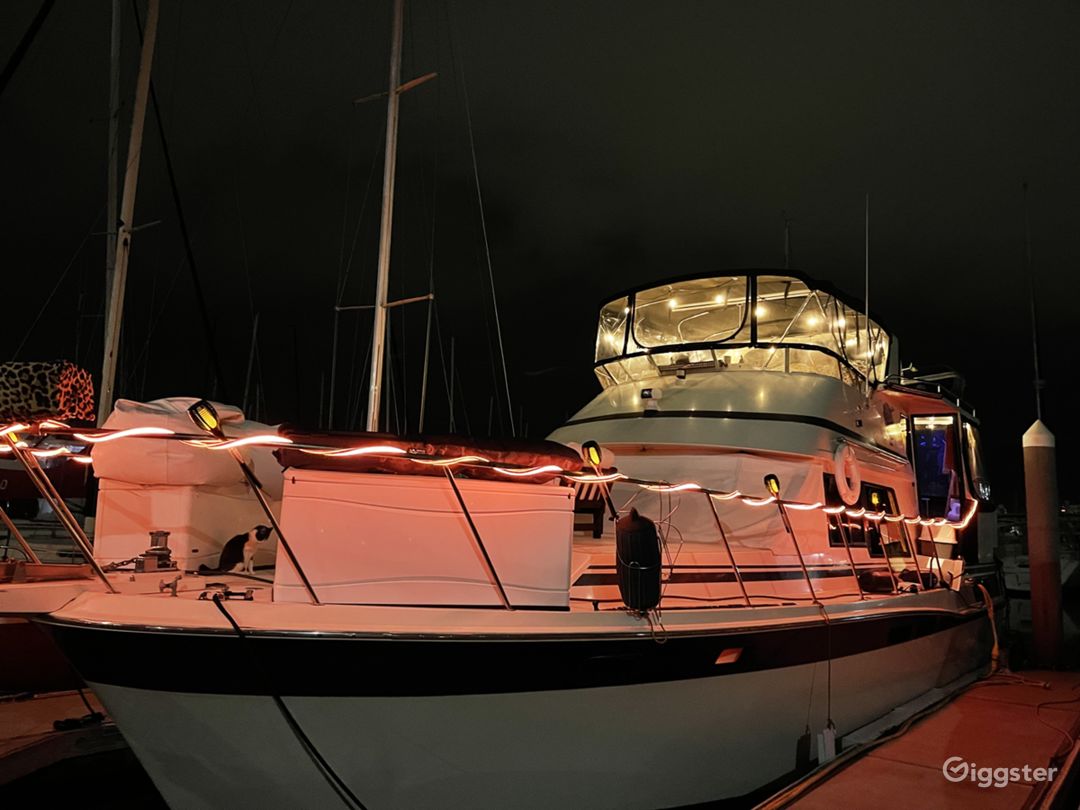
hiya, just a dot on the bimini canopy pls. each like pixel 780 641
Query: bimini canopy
pixel 758 320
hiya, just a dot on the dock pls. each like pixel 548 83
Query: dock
pixel 29 740
pixel 1008 742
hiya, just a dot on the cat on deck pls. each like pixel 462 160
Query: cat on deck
pixel 238 555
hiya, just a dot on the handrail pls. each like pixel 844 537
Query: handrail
pixel 723 536
pixel 416 454
pixel 851 559
pixel 479 541
pixel 794 539
pixel 48 491
pixel 31 555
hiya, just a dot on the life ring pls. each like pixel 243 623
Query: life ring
pixel 847 475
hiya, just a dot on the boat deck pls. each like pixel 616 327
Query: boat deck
pixel 1003 722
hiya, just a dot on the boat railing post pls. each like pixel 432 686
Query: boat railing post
pixel 772 484
pixel 13 530
pixel 727 545
pixel 205 417
pixel 937 557
pixel 851 558
pixel 914 549
pixel 479 541
pixel 48 491
pixel 256 488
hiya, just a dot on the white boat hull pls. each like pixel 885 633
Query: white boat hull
pixel 647 745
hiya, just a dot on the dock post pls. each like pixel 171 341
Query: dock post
pixel 1040 483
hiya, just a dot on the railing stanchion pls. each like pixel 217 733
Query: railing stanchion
pixel 31 555
pixel 772 484
pixel 851 559
pixel 731 555
pixel 48 491
pixel 479 542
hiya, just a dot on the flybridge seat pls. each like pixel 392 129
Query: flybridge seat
pixel 365 537
pixel 508 453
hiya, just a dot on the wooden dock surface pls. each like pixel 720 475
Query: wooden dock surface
pixel 985 738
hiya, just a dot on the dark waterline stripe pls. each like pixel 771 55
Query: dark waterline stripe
pixel 304 665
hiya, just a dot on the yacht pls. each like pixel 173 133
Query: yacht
pixel 733 562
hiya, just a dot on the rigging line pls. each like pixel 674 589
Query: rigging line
pixel 131 378
pixel 360 218
pixel 59 281
pixel 200 298
pixel 243 248
pixel 350 142
pixel 363 377
pixel 431 263
pixel 430 309
pixel 442 360
pixel 266 63
pixel 27 40
pixel 156 320
pixel 483 230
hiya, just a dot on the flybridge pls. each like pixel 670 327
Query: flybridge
pixel 760 320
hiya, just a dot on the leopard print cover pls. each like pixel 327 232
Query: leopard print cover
pixel 38 390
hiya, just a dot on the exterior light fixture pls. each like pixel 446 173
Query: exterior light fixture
pixel 205 416
pixel 592 452
pixel 772 483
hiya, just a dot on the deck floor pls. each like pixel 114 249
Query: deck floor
pixel 996 723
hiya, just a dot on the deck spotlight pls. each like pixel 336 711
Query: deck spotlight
pixel 204 415
pixel 592 452
pixel 772 483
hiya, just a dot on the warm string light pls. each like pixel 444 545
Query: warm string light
pixel 451 462
pixel 98 438
pixel 547 469
pixel 349 452
pixel 232 444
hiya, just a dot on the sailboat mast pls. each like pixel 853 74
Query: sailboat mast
pixel 378 337
pixel 127 211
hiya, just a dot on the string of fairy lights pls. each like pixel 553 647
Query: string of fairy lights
pixel 10 434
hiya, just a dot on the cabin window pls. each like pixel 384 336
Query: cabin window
pixel 980 483
pixel 880 538
pixel 737 323
pixel 701 311
pixel 611 336
pixel 788 312
pixel 937 466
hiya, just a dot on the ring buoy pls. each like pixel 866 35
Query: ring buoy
pixel 846 473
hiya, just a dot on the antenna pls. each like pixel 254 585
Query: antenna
pixel 1031 300
pixel 866 298
pixel 787 240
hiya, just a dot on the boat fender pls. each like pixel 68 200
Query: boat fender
pixel 637 562
pixel 847 475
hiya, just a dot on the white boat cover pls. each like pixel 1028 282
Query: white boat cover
pixel 168 462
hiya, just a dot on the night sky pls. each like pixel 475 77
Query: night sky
pixel 616 143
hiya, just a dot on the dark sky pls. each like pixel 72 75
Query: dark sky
pixel 617 143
